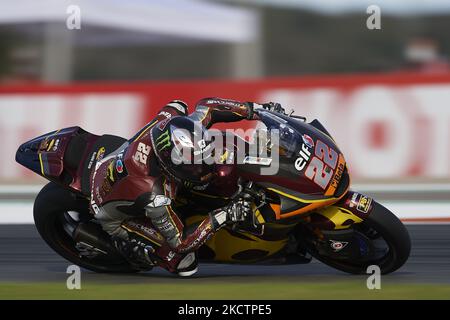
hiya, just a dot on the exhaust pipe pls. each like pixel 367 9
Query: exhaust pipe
pixel 92 241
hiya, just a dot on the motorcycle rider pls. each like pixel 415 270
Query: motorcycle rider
pixel 140 180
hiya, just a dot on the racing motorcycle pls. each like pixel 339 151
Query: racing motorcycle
pixel 305 210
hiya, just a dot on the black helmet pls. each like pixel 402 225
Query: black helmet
pixel 182 146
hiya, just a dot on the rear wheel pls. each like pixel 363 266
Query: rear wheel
pixel 57 212
pixel 380 240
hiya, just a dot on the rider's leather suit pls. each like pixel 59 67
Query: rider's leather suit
pixel 128 183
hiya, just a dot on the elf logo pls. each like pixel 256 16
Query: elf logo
pixel 304 156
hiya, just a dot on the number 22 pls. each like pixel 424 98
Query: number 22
pixel 142 153
pixel 325 158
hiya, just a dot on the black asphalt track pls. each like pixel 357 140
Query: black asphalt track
pixel 25 257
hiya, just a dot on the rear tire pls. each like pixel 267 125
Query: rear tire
pixel 394 234
pixel 52 202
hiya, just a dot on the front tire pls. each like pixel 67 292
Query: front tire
pixel 50 209
pixel 387 226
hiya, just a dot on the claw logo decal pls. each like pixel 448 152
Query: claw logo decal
pixel 163 141
pixel 338 245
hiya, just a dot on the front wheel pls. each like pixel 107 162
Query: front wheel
pixel 380 240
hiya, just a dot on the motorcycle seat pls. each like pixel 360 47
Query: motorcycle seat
pixel 80 150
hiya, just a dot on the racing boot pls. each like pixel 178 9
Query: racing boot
pixel 184 265
pixel 150 244
pixel 136 251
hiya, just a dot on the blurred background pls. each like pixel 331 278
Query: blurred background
pixel 108 65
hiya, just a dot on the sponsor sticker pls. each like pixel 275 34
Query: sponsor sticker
pixel 338 176
pixel 95 207
pixel 91 162
pixel 147 230
pixel 364 204
pixel 304 156
pixel 110 172
pixel 165 114
pixel 361 202
pixel 257 160
pixel 100 153
pixel 56 145
pixel 170 256
pixel 53 145
pixel 308 141
pixel 338 245
pixel 162 125
pixel 119 166
pixel 353 200
pixel 97 193
pixel 44 145
pixel 225 102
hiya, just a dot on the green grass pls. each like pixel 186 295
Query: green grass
pixel 282 289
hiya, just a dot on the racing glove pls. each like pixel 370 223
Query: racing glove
pixel 273 106
pixel 237 211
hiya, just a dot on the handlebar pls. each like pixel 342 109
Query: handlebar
pixel 281 111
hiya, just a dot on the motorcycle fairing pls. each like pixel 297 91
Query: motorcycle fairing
pixel 232 246
pixel 45 155
pixel 244 247
pixel 66 156
pixel 301 194
pixel 351 209
pixel 294 203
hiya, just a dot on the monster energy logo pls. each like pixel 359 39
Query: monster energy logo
pixel 163 141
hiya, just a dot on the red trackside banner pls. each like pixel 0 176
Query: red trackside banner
pixel 389 126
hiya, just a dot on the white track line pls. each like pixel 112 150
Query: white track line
pixel 397 187
pixel 403 187
pixel 16 211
